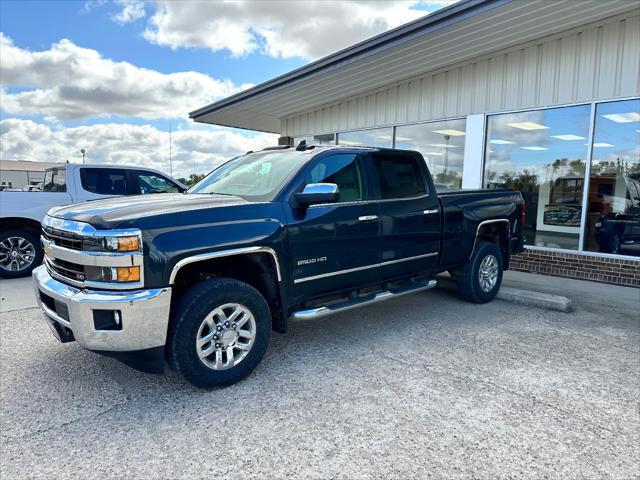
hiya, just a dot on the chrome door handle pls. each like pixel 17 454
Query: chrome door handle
pixel 429 212
pixel 367 218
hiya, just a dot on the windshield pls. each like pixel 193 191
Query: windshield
pixel 256 176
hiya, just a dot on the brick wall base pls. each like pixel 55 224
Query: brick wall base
pixel 583 267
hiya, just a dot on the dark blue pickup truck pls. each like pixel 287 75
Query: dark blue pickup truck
pixel 199 280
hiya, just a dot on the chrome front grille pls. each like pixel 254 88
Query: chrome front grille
pixel 62 238
pixel 72 271
pixel 73 254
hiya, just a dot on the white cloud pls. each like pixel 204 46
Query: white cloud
pixel 279 28
pixel 132 10
pixel 197 150
pixel 71 82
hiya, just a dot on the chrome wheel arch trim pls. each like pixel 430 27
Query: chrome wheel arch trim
pixel 486 222
pixel 225 253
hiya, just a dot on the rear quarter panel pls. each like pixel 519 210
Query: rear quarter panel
pixel 463 211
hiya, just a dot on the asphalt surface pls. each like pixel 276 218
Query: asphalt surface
pixel 425 386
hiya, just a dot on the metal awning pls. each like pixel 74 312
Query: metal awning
pixel 463 31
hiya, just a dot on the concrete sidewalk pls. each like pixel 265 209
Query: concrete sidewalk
pixel 589 296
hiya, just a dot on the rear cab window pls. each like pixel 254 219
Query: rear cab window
pixel 55 180
pixel 104 181
pixel 398 176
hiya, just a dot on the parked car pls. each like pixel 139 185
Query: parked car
pixel 201 279
pixel 618 228
pixel 22 211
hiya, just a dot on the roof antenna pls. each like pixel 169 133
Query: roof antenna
pixel 302 146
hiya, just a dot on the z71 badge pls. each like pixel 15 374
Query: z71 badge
pixel 309 261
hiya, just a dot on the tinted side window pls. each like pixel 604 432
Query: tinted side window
pixel 104 181
pixel 398 176
pixel 55 180
pixel 149 182
pixel 344 171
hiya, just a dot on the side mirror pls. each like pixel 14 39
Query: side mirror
pixel 317 193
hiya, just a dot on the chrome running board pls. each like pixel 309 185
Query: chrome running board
pixel 319 312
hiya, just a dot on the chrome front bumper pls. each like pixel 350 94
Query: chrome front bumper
pixel 144 314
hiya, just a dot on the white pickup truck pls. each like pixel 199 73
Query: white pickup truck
pixel 22 212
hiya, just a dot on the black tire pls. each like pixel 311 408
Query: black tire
pixel 187 318
pixel 468 281
pixel 7 238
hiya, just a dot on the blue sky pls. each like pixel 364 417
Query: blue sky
pixel 112 76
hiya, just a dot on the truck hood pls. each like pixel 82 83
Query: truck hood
pixel 108 213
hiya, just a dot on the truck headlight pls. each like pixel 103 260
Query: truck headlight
pixel 113 274
pixel 122 244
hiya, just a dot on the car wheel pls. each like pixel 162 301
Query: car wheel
pixel 482 275
pixel 20 253
pixel 219 332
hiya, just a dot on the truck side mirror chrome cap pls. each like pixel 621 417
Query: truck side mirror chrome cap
pixel 317 193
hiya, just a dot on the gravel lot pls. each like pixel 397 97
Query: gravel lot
pixel 426 386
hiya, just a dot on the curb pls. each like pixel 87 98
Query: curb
pixel 520 296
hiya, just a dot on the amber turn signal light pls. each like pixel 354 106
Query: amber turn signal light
pixel 128 274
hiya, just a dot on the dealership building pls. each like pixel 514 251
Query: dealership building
pixel 536 95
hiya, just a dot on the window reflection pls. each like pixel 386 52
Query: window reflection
pixel 613 219
pixel 542 154
pixel 319 140
pixel 377 137
pixel 442 146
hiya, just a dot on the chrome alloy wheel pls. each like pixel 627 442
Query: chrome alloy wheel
pixel 16 254
pixel 226 336
pixel 488 273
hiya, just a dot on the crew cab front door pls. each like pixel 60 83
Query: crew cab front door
pixel 334 246
pixel 409 214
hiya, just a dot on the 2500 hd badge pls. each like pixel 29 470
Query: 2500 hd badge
pixel 199 280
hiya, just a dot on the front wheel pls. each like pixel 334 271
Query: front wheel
pixel 20 253
pixel 482 275
pixel 219 332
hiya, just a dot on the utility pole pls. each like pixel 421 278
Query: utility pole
pixel 83 151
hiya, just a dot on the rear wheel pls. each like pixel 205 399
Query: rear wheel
pixel 480 280
pixel 219 333
pixel 20 253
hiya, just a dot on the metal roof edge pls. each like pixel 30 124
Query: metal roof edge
pixel 441 18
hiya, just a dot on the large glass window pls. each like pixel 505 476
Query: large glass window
pixel 613 214
pixel 319 140
pixel 377 137
pixel 442 146
pixel 542 154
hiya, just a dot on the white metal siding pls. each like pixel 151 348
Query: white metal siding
pixel 594 62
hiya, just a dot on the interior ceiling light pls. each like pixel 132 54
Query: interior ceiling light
pixel 535 148
pixel 569 137
pixel 623 117
pixel 601 145
pixel 442 145
pixel 528 126
pixel 453 133
pixel 435 154
pixel 497 141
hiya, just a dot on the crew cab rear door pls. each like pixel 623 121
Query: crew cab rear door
pixel 409 213
pixel 334 246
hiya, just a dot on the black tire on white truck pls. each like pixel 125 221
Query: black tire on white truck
pixel 20 252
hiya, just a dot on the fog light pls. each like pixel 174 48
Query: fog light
pixel 107 320
pixel 127 274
